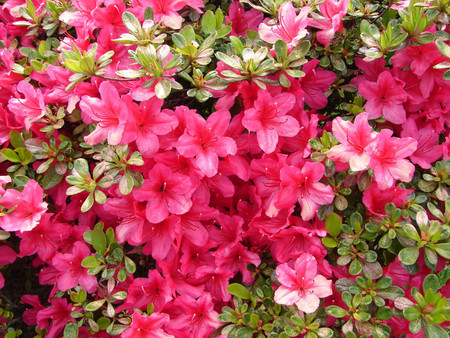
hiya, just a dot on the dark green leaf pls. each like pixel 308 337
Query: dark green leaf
pixel 431 282
pixel 336 311
pixel 98 239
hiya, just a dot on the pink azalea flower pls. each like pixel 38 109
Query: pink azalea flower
pixel 355 139
pixel 388 158
pixel 216 281
pixel 71 273
pixel 59 313
pixel 28 208
pixel 242 20
pixel 290 28
pixel 147 326
pixel 303 185
pixel 143 291
pixel 111 113
pixel 7 256
pixel 375 199
pixel 385 98
pixel 29 109
pixel 198 315
pixel 45 239
pixel 269 120
pixel 145 123
pixel 301 285
pixel 330 21
pixel 428 149
pixel 206 141
pixel 165 192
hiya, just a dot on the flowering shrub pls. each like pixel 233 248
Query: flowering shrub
pixel 249 169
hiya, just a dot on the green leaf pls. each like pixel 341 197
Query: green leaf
pixel 409 256
pixel 244 332
pixel 163 88
pixel 281 50
pixel 90 262
pixel 132 23
pixel 130 266
pixel 126 184
pixel 71 331
pixel 391 292
pixel 98 240
pixel 238 290
pixel 329 242
pixel 432 330
pixel 443 48
pixel 411 313
pixel 431 282
pixel 443 249
pixel 355 267
pixel 336 311
pixel 10 155
pixel 384 313
pixel 208 22
pixel 88 203
pixel 16 139
pixel 237 44
pixel 333 224
pixel 130 73
pixel 51 179
pixel 81 166
pixel 95 305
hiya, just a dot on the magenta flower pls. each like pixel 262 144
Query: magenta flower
pixel 71 273
pixel 385 98
pixel 269 120
pixel 164 192
pixel 303 185
pixel 355 139
pixel 242 20
pixel 330 21
pixel 29 109
pixel 301 285
pixel 28 208
pixel 206 141
pixel 147 326
pixel 388 158
pixel 110 112
pixel 291 27
pixel 59 313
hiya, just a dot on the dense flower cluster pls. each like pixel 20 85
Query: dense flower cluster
pixel 155 153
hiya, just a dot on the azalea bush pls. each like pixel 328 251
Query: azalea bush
pixel 262 168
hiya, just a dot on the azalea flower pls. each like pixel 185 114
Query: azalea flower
pixel 355 139
pixel 147 326
pixel 388 158
pixel 269 120
pixel 242 20
pixel 385 98
pixel 330 21
pixel 301 285
pixel 28 208
pixel 303 185
pixel 206 141
pixel 111 113
pixel 29 109
pixel 291 27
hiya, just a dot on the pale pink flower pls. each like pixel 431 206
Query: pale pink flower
pixel 290 28
pixel 355 139
pixel 301 285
